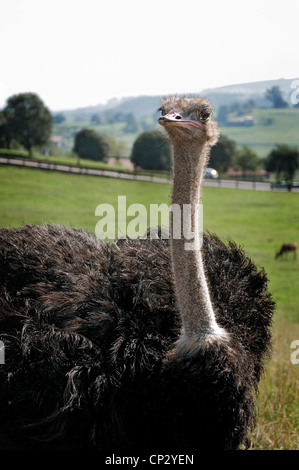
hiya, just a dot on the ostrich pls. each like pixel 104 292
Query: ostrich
pixel 138 345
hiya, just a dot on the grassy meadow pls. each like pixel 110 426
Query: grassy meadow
pixel 273 126
pixel 259 221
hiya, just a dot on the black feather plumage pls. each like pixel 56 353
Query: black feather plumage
pixel 89 329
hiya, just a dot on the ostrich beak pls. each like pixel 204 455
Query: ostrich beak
pixel 176 119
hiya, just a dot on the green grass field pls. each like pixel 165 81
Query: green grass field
pixel 260 221
pixel 273 126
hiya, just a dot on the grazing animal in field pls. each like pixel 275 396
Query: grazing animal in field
pixel 137 345
pixel 286 248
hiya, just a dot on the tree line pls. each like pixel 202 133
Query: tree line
pixel 152 151
pixel 28 121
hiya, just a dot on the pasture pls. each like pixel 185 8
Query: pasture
pixel 259 221
pixel 273 126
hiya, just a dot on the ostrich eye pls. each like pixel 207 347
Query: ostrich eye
pixel 162 111
pixel 205 112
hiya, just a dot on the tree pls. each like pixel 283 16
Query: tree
pixel 275 96
pixel 242 108
pixel 132 125
pixel 95 119
pixel 283 161
pixel 29 121
pixel 222 154
pixel 151 151
pixel 89 144
pixel 247 159
pixel 4 134
pixel 222 115
pixel 59 118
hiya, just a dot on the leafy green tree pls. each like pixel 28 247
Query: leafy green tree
pixel 91 145
pixel 247 159
pixel 275 96
pixel 132 125
pixel 222 154
pixel 59 118
pixel 222 114
pixel 4 134
pixel 151 151
pixel 283 161
pixel 29 121
pixel 95 119
pixel 241 108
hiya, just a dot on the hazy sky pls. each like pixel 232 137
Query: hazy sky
pixel 78 53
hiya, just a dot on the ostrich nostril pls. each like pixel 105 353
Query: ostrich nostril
pixel 178 117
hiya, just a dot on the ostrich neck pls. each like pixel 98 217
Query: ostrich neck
pixel 196 309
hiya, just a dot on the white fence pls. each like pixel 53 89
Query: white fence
pixel 220 183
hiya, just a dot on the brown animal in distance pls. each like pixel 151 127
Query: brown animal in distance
pixel 286 248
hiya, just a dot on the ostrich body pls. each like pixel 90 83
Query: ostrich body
pixel 137 345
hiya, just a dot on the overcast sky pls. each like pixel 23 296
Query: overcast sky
pixel 78 53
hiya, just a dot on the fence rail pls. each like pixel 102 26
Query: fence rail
pixel 37 164
pixel 220 183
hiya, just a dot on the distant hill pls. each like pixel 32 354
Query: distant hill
pixel 271 125
pixel 144 106
pixel 140 106
pixel 245 91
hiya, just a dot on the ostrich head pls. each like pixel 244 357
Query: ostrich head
pixel 188 120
